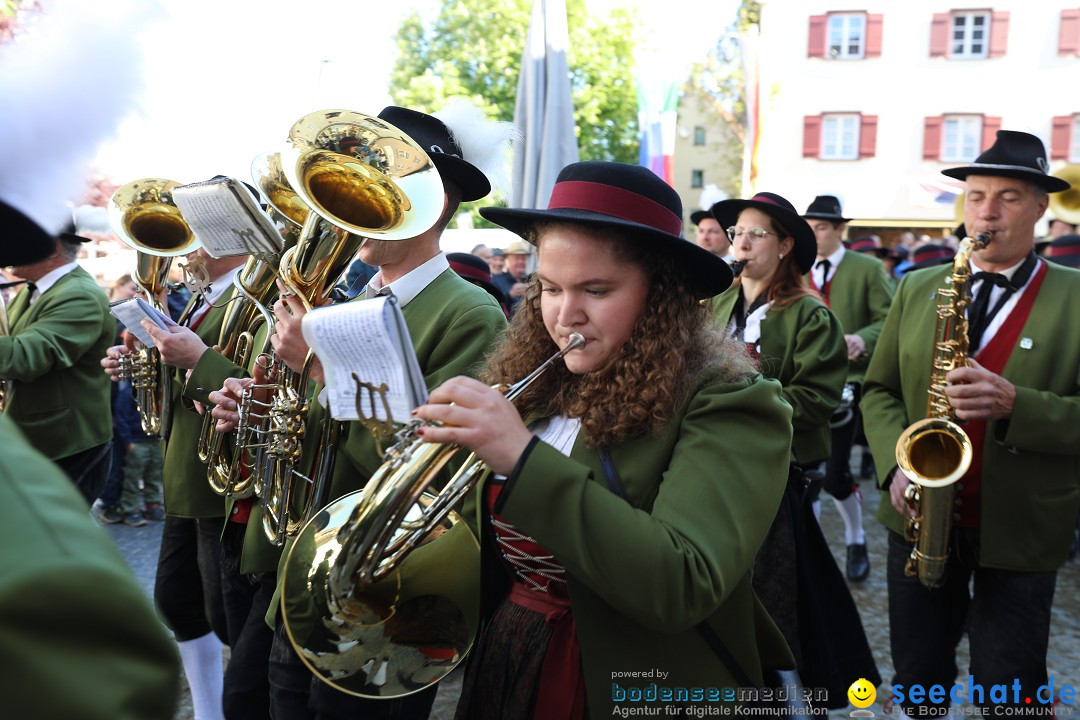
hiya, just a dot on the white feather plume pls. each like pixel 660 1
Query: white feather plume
pixel 710 195
pixel 485 144
pixel 72 74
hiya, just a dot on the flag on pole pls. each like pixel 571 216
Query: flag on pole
pixel 544 112
pixel 658 104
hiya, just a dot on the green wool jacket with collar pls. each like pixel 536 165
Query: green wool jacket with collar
pixel 644 571
pixel 802 345
pixel 82 637
pixel 1031 461
pixel 61 397
pixel 859 297
pixel 187 491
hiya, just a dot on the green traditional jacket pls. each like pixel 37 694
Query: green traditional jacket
pixel 187 492
pixel 802 345
pixel 60 397
pixel 859 297
pixel 82 638
pixel 1031 461
pixel 643 572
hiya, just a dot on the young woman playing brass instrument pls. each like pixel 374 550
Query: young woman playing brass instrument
pixel 623 514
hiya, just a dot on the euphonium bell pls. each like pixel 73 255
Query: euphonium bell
pixel 144 216
pixel 380 591
pixel 1065 205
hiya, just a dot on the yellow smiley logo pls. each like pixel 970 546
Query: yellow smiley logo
pixel 861 693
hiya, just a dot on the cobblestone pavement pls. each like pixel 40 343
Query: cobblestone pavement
pixel 140 547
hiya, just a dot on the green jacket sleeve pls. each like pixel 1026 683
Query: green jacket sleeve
pixel 670 566
pixel 879 293
pixel 820 367
pixel 1043 422
pixel 882 404
pixel 63 332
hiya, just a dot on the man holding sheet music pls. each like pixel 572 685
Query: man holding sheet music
pixel 188 584
pixel 451 323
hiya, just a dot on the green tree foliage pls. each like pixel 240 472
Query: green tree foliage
pixel 473 49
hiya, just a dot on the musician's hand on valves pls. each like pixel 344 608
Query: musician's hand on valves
pixel 897 487
pixel 227 403
pixel 179 346
pixel 856 346
pixel 111 362
pixel 288 339
pixel 975 393
pixel 480 419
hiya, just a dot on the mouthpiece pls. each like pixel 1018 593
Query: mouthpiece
pixel 737 267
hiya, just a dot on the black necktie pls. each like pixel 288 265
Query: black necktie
pixel 981 314
pixel 824 265
pixel 197 303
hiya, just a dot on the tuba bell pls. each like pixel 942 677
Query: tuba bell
pixel 144 216
pixel 1065 205
pixel 380 591
pixel 362 178
pixel 935 452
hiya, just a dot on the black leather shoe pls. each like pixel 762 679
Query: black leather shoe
pixel 858 563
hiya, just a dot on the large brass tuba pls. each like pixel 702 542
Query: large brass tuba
pixel 362 178
pixel 380 590
pixel 935 452
pixel 144 216
pixel 1066 205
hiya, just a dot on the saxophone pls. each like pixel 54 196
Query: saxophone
pixel 935 452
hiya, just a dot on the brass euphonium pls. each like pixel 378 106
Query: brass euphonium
pixel 935 452
pixel 362 178
pixel 380 591
pixel 144 216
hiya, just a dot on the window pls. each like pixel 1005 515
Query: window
pixel 961 138
pixel 699 135
pixel 697 179
pixel 845 36
pixel 847 33
pixel 970 35
pixel 840 137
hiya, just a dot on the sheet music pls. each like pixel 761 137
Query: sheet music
pixel 368 338
pixel 132 311
pixel 226 219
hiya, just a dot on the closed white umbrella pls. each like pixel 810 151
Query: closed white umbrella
pixel 545 110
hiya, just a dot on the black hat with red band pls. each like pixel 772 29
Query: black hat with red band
pixel 1064 250
pixel 779 209
pixel 629 198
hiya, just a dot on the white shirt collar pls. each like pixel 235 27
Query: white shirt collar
pixel 50 278
pixel 1007 272
pixel 413 282
pixel 820 277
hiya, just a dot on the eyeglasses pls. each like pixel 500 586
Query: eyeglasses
pixel 756 234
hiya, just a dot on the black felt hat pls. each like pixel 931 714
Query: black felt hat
pixel 926 256
pixel 698 215
pixel 1016 155
pixel 1064 250
pixel 629 198
pixel 826 207
pixel 868 245
pixel 779 209
pixel 474 269
pixel 431 134
pixel 24 241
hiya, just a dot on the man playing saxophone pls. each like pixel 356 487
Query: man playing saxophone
pixel 452 324
pixel 187 589
pixel 1018 401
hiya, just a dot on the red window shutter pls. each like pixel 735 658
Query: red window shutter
pixel 816 46
pixel 811 136
pixel 867 136
pixel 1061 137
pixel 939 35
pixel 1069 34
pixel 931 148
pixel 989 131
pixel 999 33
pixel 873 35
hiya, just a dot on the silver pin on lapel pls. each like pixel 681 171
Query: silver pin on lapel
pixel 1027 343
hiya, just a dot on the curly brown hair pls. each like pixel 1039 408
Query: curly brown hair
pixel 639 390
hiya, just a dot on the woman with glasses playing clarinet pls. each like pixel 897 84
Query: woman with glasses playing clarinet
pixel 798 341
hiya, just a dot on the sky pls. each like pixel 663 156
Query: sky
pixel 227 78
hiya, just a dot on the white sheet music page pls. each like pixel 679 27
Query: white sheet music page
pixel 368 338
pixel 133 311
pixel 226 219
